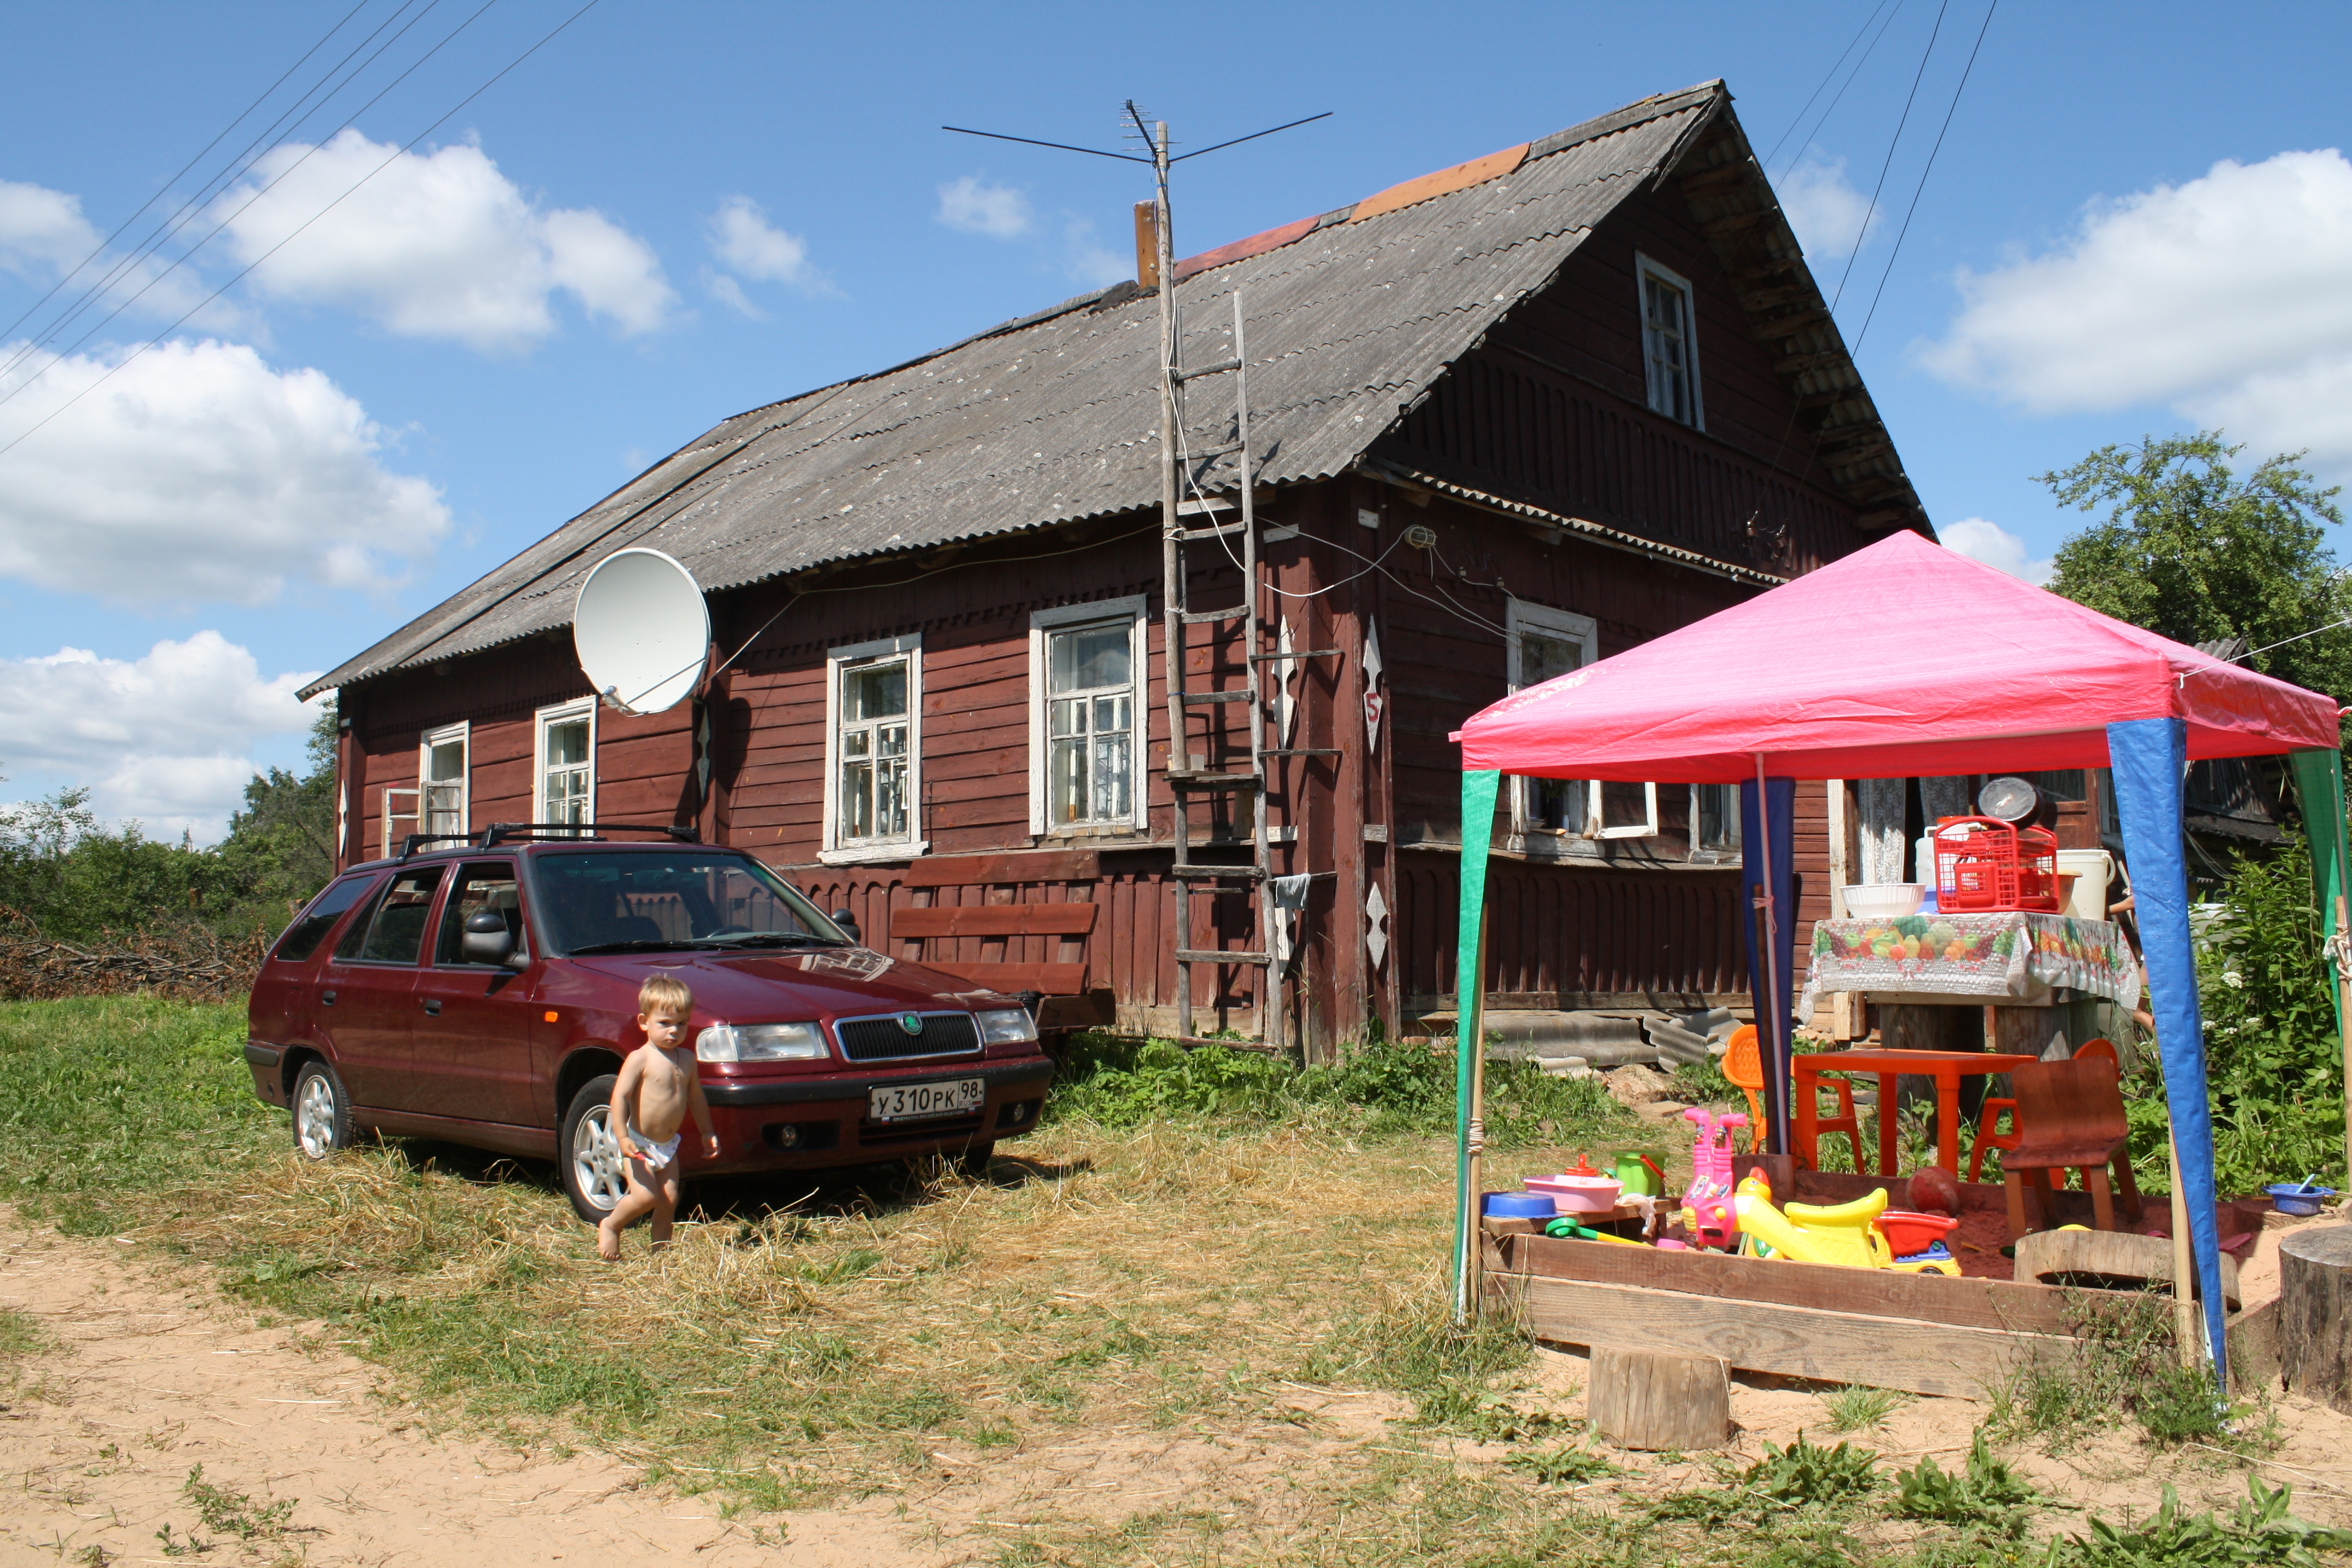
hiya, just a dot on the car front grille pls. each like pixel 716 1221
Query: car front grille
pixel 886 1039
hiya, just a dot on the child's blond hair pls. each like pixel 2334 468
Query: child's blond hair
pixel 664 993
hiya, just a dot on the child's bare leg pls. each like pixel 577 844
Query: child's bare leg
pixel 664 1208
pixel 633 1205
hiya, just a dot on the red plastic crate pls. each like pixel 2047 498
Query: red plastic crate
pixel 1984 865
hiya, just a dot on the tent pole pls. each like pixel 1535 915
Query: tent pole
pixel 1767 884
pixel 2184 1263
pixel 1474 1258
pixel 2343 1032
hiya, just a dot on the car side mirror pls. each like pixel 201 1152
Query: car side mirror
pixel 848 923
pixel 488 939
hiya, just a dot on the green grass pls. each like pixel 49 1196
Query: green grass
pixel 21 1335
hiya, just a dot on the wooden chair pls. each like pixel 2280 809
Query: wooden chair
pixel 2070 1117
pixel 1988 1134
pixel 1743 1064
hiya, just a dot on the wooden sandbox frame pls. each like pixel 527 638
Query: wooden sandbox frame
pixel 1920 1333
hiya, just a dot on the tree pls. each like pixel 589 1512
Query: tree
pixel 2193 552
pixel 280 848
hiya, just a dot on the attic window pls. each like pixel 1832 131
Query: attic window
pixel 1669 342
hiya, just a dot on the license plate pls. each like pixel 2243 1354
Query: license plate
pixel 913 1102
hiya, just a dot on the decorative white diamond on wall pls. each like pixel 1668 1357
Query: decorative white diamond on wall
pixel 1376 925
pixel 1373 700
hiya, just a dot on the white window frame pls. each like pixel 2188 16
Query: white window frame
pixel 833 850
pixel 1705 854
pixel 1130 608
pixel 561 713
pixel 461 732
pixel 1643 271
pixel 1567 627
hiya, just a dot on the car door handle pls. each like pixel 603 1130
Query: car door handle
pixel 433 1006
pixel 326 999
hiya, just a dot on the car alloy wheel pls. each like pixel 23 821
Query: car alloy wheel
pixel 322 1112
pixel 596 1172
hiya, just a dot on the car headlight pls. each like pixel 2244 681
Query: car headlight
pixel 1005 1026
pixel 759 1042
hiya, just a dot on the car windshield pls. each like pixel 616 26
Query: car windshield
pixel 637 901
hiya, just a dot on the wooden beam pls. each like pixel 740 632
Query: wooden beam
pixel 1792 1342
pixel 1017 865
pixel 1053 979
pixel 1736 174
pixel 995 919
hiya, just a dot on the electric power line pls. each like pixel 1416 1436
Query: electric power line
pixel 1895 141
pixel 1826 79
pixel 545 39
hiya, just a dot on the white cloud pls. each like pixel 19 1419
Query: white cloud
pixel 165 739
pixel 438 244
pixel 1828 213
pixel 974 207
pixel 742 237
pixel 730 293
pixel 1087 261
pixel 42 231
pixel 2222 297
pixel 199 473
pixel 1997 548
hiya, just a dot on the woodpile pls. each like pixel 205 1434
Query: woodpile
pixel 193 965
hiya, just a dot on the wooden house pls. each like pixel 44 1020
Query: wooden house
pixel 1506 418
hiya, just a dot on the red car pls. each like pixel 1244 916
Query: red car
pixel 485 993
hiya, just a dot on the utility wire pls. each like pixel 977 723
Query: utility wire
pixel 549 37
pixel 240 119
pixel 284 175
pixel 1827 78
pixel 1896 140
pixel 190 209
pixel 1889 270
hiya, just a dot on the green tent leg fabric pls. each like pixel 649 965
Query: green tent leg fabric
pixel 1478 788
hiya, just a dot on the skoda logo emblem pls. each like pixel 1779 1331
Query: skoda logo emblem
pixel 910 1023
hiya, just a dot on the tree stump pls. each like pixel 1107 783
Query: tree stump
pixel 1657 1400
pixel 2315 1313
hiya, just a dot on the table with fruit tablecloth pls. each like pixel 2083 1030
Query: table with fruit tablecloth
pixel 2013 958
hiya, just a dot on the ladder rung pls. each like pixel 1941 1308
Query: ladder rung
pixel 1193 617
pixel 1219 369
pixel 1205 779
pixel 1212 697
pixel 1295 653
pixel 1193 955
pixel 1190 536
pixel 1302 751
pixel 1214 873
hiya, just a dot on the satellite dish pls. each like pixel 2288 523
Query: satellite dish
pixel 642 630
pixel 2011 799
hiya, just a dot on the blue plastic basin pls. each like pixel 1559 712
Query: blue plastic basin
pixel 2294 1198
pixel 1520 1205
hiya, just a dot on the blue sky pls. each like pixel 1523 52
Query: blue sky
pixel 670 214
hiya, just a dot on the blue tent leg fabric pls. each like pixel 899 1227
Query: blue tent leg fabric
pixel 1478 787
pixel 2148 755
pixel 1772 1041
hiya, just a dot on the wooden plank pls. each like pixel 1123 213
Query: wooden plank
pixel 1053 979
pixel 1792 1342
pixel 1029 865
pixel 995 919
pixel 1991 1304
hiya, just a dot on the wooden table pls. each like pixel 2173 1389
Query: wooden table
pixel 1946 1068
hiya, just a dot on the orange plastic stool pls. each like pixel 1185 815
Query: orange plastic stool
pixel 1988 1134
pixel 1743 1064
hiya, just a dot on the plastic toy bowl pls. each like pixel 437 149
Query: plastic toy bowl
pixel 2287 1198
pixel 1909 1231
pixel 1883 901
pixel 1520 1205
pixel 1579 1194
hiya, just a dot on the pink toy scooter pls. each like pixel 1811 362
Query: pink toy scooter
pixel 1707 1214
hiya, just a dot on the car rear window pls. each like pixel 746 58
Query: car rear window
pixel 393 929
pixel 312 926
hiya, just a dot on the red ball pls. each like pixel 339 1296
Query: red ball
pixel 1935 1190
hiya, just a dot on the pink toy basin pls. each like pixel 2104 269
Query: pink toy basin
pixel 1909 1232
pixel 1578 1194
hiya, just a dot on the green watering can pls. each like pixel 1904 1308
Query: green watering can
pixel 1638 1173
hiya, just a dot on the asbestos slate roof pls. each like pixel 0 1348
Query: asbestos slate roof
pixel 1054 417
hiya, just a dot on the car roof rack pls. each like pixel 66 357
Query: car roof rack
pixel 410 843
pixel 577 832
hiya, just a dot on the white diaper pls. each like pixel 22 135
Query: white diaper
pixel 654 1155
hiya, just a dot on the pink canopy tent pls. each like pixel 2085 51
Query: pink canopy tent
pixel 1898 661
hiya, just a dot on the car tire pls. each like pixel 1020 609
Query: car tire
pixel 589 1154
pixel 323 1112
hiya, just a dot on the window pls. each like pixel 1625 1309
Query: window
pixel 1715 822
pixel 441 795
pixel 692 894
pixel 1669 343
pixel 302 938
pixel 1087 688
pixel 567 762
pixel 488 885
pixel 874 703
pixel 394 930
pixel 1544 643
